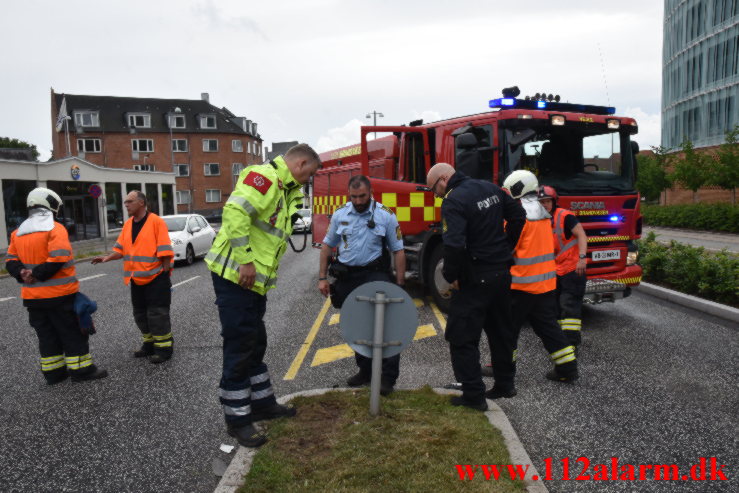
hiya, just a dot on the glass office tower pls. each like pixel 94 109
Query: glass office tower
pixel 700 71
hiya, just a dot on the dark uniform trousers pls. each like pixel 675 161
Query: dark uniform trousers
pixel 570 292
pixel 151 304
pixel 541 312
pixel 245 384
pixel 476 307
pixel 59 334
pixel 345 285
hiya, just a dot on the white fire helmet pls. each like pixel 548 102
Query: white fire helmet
pixel 520 183
pixel 43 197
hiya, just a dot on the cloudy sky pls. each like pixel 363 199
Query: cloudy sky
pixel 310 70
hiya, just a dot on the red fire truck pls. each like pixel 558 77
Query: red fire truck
pixel 583 151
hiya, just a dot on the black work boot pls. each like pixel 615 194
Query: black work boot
pixel 272 412
pixel 160 357
pixel 247 436
pixel 94 373
pixel 147 349
pixel 458 400
pixel 56 376
pixel 557 377
pixel 498 392
pixel 358 380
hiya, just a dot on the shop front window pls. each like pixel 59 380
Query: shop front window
pixel 14 200
pixel 114 205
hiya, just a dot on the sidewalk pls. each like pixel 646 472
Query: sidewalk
pixel 714 242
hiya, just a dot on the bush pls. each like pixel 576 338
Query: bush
pixel 712 217
pixel 691 270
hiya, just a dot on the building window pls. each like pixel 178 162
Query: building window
pixel 236 168
pixel 207 121
pixel 142 145
pixel 144 167
pixel 179 145
pixel 210 145
pixel 212 196
pixel 139 120
pixel 237 146
pixel 176 121
pixel 248 147
pixel 88 145
pixel 212 169
pixel 87 118
pixel 182 170
pixel 183 196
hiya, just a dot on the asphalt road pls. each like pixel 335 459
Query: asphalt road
pixel 658 386
pixel 709 240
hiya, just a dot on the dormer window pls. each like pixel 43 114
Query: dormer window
pixel 207 121
pixel 139 120
pixel 87 118
pixel 176 120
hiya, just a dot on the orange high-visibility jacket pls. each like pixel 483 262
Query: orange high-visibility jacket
pixel 40 247
pixel 142 259
pixel 567 255
pixel 534 269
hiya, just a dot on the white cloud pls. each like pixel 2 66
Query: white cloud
pixel 340 136
pixel 650 127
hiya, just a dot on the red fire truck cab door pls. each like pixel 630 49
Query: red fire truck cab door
pixel 415 157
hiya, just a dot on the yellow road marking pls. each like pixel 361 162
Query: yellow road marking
pixel 418 302
pixel 425 331
pixel 334 319
pixel 329 354
pixel 295 366
pixel 439 316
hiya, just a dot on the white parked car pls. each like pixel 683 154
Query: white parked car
pixel 304 223
pixel 191 236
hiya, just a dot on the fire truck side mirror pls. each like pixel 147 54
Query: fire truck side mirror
pixel 634 147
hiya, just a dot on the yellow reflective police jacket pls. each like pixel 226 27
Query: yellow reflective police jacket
pixel 256 224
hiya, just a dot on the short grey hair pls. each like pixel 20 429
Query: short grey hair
pixel 304 151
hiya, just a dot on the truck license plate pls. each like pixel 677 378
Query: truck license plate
pixel 602 255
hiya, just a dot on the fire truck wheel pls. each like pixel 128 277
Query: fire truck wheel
pixel 436 282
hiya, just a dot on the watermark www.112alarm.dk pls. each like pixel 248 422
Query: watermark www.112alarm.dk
pixel 583 469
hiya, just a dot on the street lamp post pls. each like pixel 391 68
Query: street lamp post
pixel 171 141
pixel 374 116
pixel 170 115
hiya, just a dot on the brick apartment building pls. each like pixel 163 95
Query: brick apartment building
pixel 205 146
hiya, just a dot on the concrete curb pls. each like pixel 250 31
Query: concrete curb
pixel 233 478
pixel 710 307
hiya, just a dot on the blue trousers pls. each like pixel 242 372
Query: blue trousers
pixel 245 382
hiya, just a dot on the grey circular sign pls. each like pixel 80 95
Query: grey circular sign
pixel 357 319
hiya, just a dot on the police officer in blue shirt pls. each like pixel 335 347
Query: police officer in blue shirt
pixel 361 230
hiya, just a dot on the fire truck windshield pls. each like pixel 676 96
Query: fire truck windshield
pixel 576 159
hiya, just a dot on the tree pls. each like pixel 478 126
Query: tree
pixel 725 166
pixel 652 178
pixel 693 170
pixel 8 143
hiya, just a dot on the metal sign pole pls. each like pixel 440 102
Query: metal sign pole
pixel 377 353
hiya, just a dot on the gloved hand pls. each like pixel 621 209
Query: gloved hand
pixel 88 331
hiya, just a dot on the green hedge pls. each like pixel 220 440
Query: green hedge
pixel 691 270
pixel 712 217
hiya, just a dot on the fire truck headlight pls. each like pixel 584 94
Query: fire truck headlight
pixel 613 124
pixel 631 258
pixel 558 120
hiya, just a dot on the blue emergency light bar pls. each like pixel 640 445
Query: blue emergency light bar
pixel 531 104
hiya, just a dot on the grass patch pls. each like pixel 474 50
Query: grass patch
pixel 87 254
pixel 333 444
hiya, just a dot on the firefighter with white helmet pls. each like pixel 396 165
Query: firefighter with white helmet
pixel 571 249
pixel 534 283
pixel 40 258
